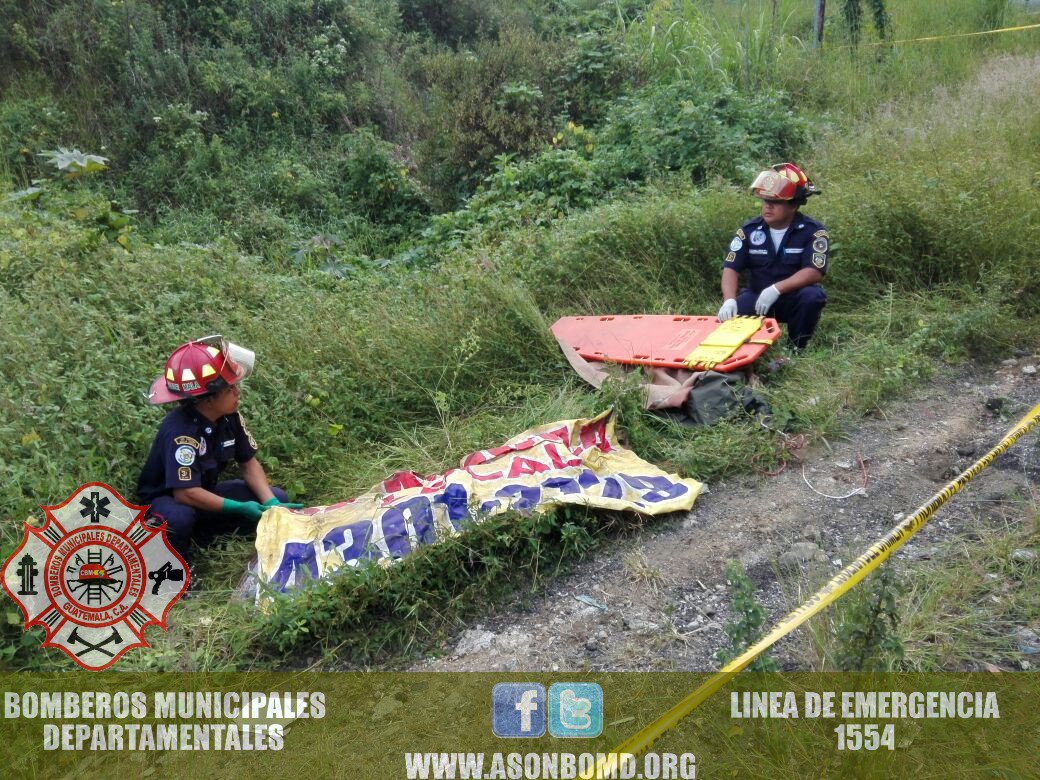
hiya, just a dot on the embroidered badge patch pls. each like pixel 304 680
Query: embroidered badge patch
pixel 819 260
pixel 184 474
pixel 184 455
pixel 820 245
pixel 245 430
pixel 186 440
pixel 740 234
pixel 758 238
pixel 731 257
pixel 820 234
pixel 735 244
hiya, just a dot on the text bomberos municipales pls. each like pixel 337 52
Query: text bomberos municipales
pixel 255 720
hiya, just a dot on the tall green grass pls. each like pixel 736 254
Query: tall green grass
pixel 745 44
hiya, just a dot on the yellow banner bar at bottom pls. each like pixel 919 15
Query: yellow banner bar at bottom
pixel 842 582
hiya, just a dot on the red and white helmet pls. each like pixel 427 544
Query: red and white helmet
pixel 201 367
pixel 784 181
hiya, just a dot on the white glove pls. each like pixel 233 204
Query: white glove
pixel 766 299
pixel 728 310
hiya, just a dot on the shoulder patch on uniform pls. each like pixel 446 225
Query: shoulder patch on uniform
pixel 736 244
pixel 819 260
pixel 184 474
pixel 184 455
pixel 820 244
pixel 740 234
pixel 245 430
pixel 730 257
pixel 821 234
pixel 187 440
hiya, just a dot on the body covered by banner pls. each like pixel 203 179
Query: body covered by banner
pixel 568 462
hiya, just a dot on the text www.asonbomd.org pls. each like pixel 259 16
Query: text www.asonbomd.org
pixel 549 766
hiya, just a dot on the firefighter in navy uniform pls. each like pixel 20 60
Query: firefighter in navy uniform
pixel 196 440
pixel 784 254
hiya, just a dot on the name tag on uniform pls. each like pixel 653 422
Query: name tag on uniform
pixel 758 252
pixel 229 443
pixel 795 251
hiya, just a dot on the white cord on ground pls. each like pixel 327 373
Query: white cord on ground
pixel 861 489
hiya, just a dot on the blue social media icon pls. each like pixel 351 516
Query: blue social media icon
pixel 575 710
pixel 518 710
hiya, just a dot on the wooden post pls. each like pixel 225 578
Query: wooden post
pixel 821 8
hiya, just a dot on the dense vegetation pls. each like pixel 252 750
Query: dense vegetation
pixel 390 202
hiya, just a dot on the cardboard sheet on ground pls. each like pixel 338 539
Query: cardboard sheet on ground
pixel 568 462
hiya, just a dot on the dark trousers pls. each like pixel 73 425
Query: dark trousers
pixel 184 523
pixel 800 309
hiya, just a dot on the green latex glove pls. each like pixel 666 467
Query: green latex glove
pixel 273 501
pixel 250 510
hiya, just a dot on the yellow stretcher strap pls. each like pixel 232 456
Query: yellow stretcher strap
pixel 722 342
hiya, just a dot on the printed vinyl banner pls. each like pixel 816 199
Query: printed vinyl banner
pixel 568 462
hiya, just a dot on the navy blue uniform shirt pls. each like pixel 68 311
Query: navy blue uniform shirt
pixel 190 451
pixel 805 245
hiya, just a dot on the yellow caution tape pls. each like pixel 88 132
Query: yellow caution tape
pixel 842 582
pixel 722 342
pixel 954 35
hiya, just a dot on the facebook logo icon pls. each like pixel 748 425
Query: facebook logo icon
pixel 518 710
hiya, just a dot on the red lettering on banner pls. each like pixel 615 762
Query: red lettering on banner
pixel 402 480
pixel 521 466
pixel 483 456
pixel 434 483
pixel 561 434
pixel 594 435
pixel 484 477
pixel 557 460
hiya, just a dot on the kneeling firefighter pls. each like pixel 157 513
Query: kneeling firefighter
pixel 197 440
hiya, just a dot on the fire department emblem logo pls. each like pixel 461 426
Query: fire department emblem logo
pixel 94 576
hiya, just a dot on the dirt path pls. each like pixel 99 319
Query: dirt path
pixel 658 601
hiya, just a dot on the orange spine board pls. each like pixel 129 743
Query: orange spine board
pixel 664 340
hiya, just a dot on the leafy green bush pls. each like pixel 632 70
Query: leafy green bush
pixel 27 126
pixel 378 188
pixel 704 130
pixel 484 103
pixel 717 132
pixel 867 635
pixel 746 628
pixel 596 69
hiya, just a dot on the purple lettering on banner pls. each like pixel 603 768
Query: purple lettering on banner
pixel 416 512
pixel 353 542
pixel 611 488
pixel 588 478
pixel 658 488
pixel 565 485
pixel 456 499
pixel 524 497
pixel 297 558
